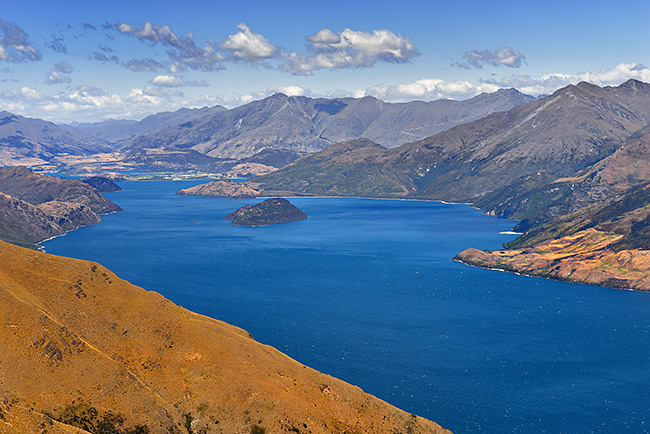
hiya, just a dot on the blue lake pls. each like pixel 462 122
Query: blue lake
pixel 365 290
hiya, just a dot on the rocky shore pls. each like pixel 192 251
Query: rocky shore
pixel 584 257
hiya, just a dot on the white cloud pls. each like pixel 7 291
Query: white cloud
pixel 167 80
pixel 549 83
pixel 88 103
pixel 350 49
pixel 505 56
pixel 28 93
pixel 14 46
pixel 246 45
pixel 236 99
pixel 288 90
pixel 176 81
pixel 326 50
pixel 428 89
pixel 152 33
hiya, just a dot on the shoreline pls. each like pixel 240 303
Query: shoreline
pixel 549 277
pixel 42 248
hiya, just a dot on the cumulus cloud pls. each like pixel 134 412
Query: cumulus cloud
pixel 505 56
pixel 429 89
pixel 143 65
pixel 287 90
pixel 14 46
pixel 246 45
pixel 176 81
pixel 236 99
pixel 549 83
pixel 325 49
pixel 87 103
pixel 90 103
pixel 54 77
pixel 183 50
pixel 350 49
pixel 150 93
pixel 29 93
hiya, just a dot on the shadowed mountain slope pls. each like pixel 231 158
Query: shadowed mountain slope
pixel 627 166
pixel 36 207
pixel 36 189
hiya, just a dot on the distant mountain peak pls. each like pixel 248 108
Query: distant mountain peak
pixel 635 84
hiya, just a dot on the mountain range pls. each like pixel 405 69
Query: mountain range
pixel 34 142
pixel 304 124
pixel 272 132
pixel 526 147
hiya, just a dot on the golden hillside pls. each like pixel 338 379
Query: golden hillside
pixel 79 345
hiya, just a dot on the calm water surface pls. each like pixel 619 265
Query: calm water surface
pixel 365 290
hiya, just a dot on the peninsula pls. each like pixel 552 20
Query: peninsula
pixel 221 188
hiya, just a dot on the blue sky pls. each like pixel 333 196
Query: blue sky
pixel 87 61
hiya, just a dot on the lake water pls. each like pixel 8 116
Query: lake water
pixel 365 290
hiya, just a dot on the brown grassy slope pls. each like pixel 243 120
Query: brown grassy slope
pixel 221 188
pixel 72 332
pixel 583 257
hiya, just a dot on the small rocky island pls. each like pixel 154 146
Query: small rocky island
pixel 268 212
